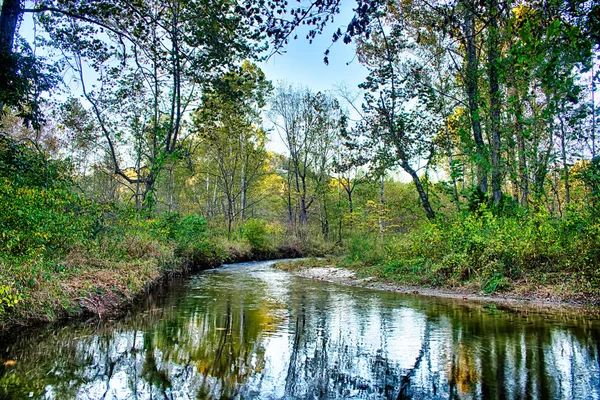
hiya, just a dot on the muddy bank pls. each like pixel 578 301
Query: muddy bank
pixel 348 277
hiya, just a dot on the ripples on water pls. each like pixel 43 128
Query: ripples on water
pixel 248 331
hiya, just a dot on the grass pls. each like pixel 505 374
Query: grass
pixel 529 255
pixel 100 277
pixel 312 262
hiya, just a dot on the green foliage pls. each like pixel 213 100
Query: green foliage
pixel 590 175
pixel 192 228
pixel 36 219
pixel 8 298
pixel 24 76
pixel 37 211
pixel 173 227
pixel 255 232
pixel 24 165
pixel 364 248
pixel 493 251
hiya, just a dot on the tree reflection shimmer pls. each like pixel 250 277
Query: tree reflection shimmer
pixel 249 331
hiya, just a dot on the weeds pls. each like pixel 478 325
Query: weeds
pixel 495 253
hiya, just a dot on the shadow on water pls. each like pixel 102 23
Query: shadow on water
pixel 248 331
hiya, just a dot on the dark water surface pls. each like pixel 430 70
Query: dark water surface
pixel 249 331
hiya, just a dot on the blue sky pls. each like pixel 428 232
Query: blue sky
pixel 302 64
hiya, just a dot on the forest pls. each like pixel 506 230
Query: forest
pixel 135 144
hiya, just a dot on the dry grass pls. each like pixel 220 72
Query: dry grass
pixel 98 280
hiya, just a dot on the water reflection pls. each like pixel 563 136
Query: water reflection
pixel 252 332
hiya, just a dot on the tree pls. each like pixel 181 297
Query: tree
pixel 307 123
pixel 152 62
pixel 233 147
pixel 394 113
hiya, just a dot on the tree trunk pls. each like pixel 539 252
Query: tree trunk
pixel 523 173
pixel 244 184
pixel 381 205
pixel 147 203
pixel 340 214
pixel 556 203
pixel 472 88
pixel 325 220
pixel 230 214
pixel 512 166
pixel 9 18
pixel 521 155
pixel 171 189
pixel 289 197
pixel 563 149
pixel 593 111
pixel 493 76
pixel 455 197
pixel 303 205
pixel 350 204
pixel 420 189
pixel 303 211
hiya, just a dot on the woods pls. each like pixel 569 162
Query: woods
pixel 140 135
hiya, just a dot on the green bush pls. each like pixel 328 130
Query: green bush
pixel 492 250
pixel 255 232
pixel 191 228
pixel 364 249
pixel 24 165
pixel 8 298
pixel 171 226
pixel 37 220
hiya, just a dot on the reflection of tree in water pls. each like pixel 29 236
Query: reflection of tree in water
pixel 206 347
pixel 234 337
pixel 462 372
pixel 327 360
pixel 497 354
pixel 465 352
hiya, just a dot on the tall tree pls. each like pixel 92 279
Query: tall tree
pixel 306 123
pixel 151 63
pixel 394 113
pixel 231 141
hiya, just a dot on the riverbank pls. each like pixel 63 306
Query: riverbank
pixel 332 270
pixel 104 282
pixel 428 345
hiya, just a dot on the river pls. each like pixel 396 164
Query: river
pixel 249 331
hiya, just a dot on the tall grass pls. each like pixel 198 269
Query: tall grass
pixel 494 252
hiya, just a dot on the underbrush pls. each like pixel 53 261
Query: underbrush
pixel 74 255
pixel 527 253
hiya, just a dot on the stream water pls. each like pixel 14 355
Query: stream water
pixel 249 331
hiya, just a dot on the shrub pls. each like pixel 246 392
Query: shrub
pixel 36 219
pixel 171 226
pixel 24 165
pixel 8 298
pixel 491 250
pixel 365 249
pixel 191 228
pixel 255 232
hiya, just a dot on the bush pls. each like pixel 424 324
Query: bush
pixel 38 220
pixel 8 298
pixel 365 249
pixel 170 226
pixel 255 232
pixel 493 251
pixel 191 229
pixel 24 165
